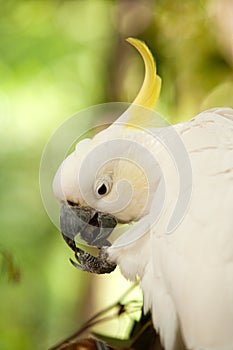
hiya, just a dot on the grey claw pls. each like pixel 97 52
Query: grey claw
pixel 99 265
pixel 79 267
pixel 70 242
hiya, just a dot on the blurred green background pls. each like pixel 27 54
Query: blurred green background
pixel 56 58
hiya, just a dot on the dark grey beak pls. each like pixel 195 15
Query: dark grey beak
pixel 93 227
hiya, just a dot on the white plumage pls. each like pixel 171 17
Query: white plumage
pixel 186 275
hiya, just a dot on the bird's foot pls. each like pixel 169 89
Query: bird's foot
pixel 87 262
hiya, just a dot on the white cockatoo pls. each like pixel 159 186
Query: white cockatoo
pixel 171 189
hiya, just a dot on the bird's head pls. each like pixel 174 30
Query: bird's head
pixel 106 181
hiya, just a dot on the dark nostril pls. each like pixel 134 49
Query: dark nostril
pixel 72 204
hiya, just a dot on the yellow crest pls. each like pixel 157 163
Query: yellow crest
pixel 150 90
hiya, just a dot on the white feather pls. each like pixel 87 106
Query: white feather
pixel 187 276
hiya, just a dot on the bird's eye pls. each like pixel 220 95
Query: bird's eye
pixel 103 186
pixel 102 190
